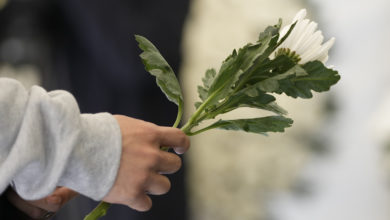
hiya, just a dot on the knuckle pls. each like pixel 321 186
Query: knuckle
pixel 139 185
pixel 152 158
pixel 148 158
pixel 152 133
pixel 148 130
pixel 132 191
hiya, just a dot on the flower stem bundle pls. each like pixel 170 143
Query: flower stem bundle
pixel 286 61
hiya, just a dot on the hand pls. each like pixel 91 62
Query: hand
pixel 142 162
pixel 37 209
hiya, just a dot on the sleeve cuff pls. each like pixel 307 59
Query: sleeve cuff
pixel 93 165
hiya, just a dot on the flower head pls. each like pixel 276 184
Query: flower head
pixel 305 42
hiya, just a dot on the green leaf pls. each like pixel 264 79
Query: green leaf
pixel 272 84
pixel 254 97
pixel 270 31
pixel 271 68
pixel 258 65
pixel 236 69
pixel 156 65
pixel 209 77
pixel 287 34
pixel 274 107
pixel 318 78
pixel 251 97
pixel 207 81
pixel 238 63
pixel 231 70
pixel 256 125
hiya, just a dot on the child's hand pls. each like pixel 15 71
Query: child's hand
pixel 142 162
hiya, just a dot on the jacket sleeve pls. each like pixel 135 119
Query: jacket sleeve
pixel 45 142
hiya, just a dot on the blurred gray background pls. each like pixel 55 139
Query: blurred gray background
pixel 332 164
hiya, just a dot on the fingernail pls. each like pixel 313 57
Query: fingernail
pixel 180 150
pixel 54 199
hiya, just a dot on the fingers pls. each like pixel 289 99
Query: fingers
pixel 158 185
pixel 141 203
pixel 173 137
pixel 169 163
pixel 142 162
pixel 56 200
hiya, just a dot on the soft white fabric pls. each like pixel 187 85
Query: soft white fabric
pixel 45 142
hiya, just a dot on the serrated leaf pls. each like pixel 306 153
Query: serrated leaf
pixel 240 62
pixel 258 67
pixel 287 34
pixel 238 66
pixel 318 78
pixel 256 125
pixel 203 93
pixel 228 72
pixel 207 81
pixel 209 78
pixel 231 70
pixel 270 31
pixel 264 68
pixel 274 107
pixel 156 65
pixel 272 84
pixel 252 97
pixel 270 68
pixel 249 98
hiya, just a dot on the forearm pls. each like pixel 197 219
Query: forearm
pixel 46 142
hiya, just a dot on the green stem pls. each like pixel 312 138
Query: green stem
pixel 179 114
pixel 98 212
pixel 186 128
pixel 201 130
pixel 194 118
pixel 177 121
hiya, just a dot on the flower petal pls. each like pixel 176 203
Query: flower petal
pixel 314 39
pixel 323 51
pixel 300 15
pixel 306 37
pixel 299 34
pixel 305 40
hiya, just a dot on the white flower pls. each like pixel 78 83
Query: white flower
pixel 304 42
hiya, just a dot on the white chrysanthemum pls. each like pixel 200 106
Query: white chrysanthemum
pixel 304 42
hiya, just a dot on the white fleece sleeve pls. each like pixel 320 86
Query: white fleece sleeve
pixel 45 142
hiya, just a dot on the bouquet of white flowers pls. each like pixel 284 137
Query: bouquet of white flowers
pixel 290 60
